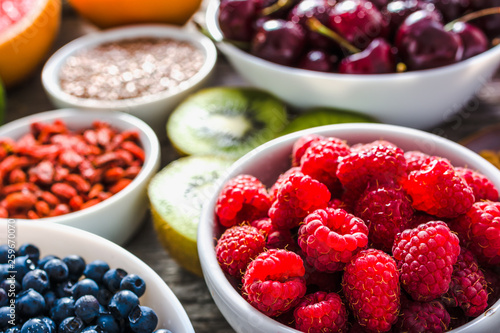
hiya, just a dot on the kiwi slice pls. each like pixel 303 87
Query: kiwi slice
pixel 324 116
pixel 176 195
pixel 228 121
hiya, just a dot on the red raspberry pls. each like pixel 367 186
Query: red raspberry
pixel 492 278
pixel 415 159
pixel 275 238
pixel 468 287
pixel 330 237
pixel 274 281
pixel 237 246
pixel 386 210
pixel 301 145
pixel 321 281
pixel 320 161
pixel 321 312
pixel 417 317
pixel 297 196
pixel 371 287
pixel 438 190
pixel 482 187
pixel 243 199
pixel 378 160
pixel 425 257
pixel 479 231
pixel 273 191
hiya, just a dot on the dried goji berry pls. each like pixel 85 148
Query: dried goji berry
pixel 21 187
pixel 17 176
pixel 119 185
pixel 50 198
pixel 42 173
pixel 104 195
pixel 20 200
pixel 70 158
pixel 124 156
pixel 77 181
pixel 112 175
pixel 106 158
pixel 63 190
pixel 90 136
pixel 60 173
pixel 76 202
pixel 90 203
pixel 134 150
pixel 32 215
pixel 60 209
pixel 95 190
pixel 3 212
pixel 132 171
pixel 42 208
pixel 104 135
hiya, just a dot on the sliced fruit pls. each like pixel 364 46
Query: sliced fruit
pixel 110 13
pixel 228 121
pixel 27 31
pixel 324 116
pixel 176 195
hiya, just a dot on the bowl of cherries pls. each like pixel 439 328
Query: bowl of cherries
pixel 415 63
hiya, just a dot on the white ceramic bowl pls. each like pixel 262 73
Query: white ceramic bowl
pixel 269 160
pixel 118 217
pixel 153 109
pixel 419 99
pixel 62 240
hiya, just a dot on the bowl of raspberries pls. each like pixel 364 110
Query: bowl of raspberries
pixel 370 56
pixel 355 228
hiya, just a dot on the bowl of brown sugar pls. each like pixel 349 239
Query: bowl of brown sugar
pixel 143 70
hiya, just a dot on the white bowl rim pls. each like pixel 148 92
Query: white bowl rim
pixel 149 165
pixel 51 68
pixel 143 268
pixel 206 248
pixel 230 49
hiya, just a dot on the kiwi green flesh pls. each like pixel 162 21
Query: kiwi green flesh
pixel 226 120
pixel 180 189
pixel 325 116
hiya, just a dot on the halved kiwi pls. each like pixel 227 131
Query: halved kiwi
pixel 176 195
pixel 324 116
pixel 228 121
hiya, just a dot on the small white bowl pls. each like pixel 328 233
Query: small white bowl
pixel 271 159
pixel 153 109
pixel 118 217
pixel 61 240
pixel 418 99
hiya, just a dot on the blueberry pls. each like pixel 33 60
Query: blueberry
pixel 7 314
pixel 142 319
pixel 122 303
pixel 91 329
pixel 30 303
pixel 95 270
pixel 36 279
pixel 87 308
pixel 104 296
pixel 4 271
pixel 63 289
pixel 22 265
pixel 4 299
pixel 112 279
pixel 44 260
pixel 31 251
pixel 50 323
pixel 71 325
pixel 76 266
pixel 162 330
pixel 57 270
pixel 134 283
pixel 50 298
pixel 14 329
pixel 11 286
pixel 36 325
pixel 85 287
pixel 109 324
pixel 4 253
pixel 63 308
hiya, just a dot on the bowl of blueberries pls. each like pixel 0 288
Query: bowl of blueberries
pixel 57 278
pixel 415 63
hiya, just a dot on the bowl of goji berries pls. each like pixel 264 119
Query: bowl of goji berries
pixel 355 228
pixel 82 168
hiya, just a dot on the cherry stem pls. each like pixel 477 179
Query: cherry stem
pixel 315 25
pixel 275 7
pixel 473 16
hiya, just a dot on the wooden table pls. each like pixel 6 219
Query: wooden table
pixel 191 290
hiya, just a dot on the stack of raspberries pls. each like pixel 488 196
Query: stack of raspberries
pixel 363 238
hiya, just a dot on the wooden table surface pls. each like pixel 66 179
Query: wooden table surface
pixel 191 290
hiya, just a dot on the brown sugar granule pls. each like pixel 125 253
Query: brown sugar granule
pixel 130 68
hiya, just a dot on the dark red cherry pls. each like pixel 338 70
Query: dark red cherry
pixel 358 21
pixel 318 60
pixel 397 11
pixel 423 43
pixel 236 19
pixel 473 39
pixel 279 41
pixel 490 24
pixel 377 58
pixel 313 8
pixel 380 3
pixel 452 9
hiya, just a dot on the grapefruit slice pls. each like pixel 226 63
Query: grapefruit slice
pixel 176 195
pixel 27 31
